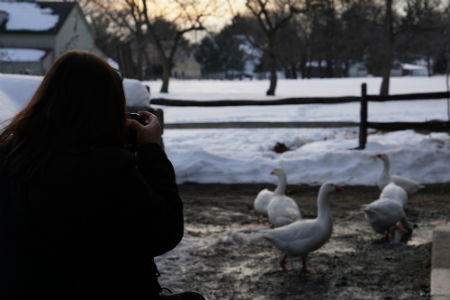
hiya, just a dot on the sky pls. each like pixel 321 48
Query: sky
pixel 316 155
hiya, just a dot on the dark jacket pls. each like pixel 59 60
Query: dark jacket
pixel 89 226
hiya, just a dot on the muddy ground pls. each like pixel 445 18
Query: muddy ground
pixel 356 263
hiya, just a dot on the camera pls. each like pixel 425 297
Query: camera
pixel 137 117
pixel 131 139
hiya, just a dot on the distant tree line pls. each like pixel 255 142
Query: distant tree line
pixel 290 36
pixel 333 35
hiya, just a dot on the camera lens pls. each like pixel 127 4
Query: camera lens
pixel 137 117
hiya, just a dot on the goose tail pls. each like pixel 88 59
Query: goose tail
pixel 246 237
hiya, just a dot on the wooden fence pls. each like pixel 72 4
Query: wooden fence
pixel 363 124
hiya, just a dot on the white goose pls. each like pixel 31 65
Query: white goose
pixel 304 236
pixel 261 202
pixel 409 185
pixel 282 210
pixel 386 214
pixel 395 192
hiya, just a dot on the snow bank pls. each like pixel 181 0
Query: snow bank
pixel 17 90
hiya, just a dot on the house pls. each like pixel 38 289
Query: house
pixel 34 34
pixel 184 64
pixel 414 70
pixel 316 69
pixel 357 69
pixel 186 67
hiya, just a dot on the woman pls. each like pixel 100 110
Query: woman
pixel 81 216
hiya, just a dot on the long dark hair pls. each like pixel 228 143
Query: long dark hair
pixel 80 103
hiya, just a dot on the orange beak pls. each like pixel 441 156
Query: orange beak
pixel 379 155
pixel 338 188
pixel 272 172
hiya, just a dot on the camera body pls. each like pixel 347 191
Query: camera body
pixel 131 139
pixel 137 117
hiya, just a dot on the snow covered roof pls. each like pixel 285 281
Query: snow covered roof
pixel 412 67
pixel 21 54
pixel 36 17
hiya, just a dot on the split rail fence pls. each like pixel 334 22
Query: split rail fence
pixel 363 124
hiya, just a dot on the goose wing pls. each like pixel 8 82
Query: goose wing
pixel 262 201
pixel 299 237
pixel 394 192
pixel 409 185
pixel 383 213
pixel 282 210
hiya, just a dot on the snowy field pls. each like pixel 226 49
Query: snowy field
pixel 317 155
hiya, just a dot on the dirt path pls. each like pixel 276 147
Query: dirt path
pixel 218 257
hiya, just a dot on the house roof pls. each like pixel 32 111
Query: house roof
pixel 22 54
pixel 55 13
pixel 413 67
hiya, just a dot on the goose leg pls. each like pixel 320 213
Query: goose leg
pixel 404 230
pixel 283 263
pixel 403 225
pixel 387 234
pixel 305 268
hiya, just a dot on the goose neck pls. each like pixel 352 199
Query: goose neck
pixel 385 166
pixel 281 188
pixel 323 210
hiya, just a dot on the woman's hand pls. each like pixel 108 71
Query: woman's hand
pixel 148 133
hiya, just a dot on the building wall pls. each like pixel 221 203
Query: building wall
pixel 187 69
pixel 42 41
pixel 75 34
pixel 32 68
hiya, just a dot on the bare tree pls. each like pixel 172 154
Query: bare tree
pixel 388 45
pixel 189 17
pixel 125 20
pixel 272 15
pixel 143 18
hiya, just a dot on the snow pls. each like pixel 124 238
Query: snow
pixel 17 90
pixel 413 67
pixel 317 155
pixel 18 54
pixel 28 16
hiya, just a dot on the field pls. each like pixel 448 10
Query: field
pixel 216 259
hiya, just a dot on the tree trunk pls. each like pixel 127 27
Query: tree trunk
pixel 287 72
pixel 388 48
pixel 429 66
pixel 165 78
pixel 294 71
pixel 329 68
pixel 273 76
pixel 140 62
pixel 346 68
pixel 272 67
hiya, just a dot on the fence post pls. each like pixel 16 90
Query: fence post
pixel 363 118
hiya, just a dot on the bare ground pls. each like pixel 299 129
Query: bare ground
pixel 356 263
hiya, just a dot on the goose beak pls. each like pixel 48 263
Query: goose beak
pixel 379 155
pixel 272 172
pixel 338 188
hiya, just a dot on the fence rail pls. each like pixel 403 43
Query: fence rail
pixel 363 124
pixel 303 100
pixel 261 125
pixel 285 101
